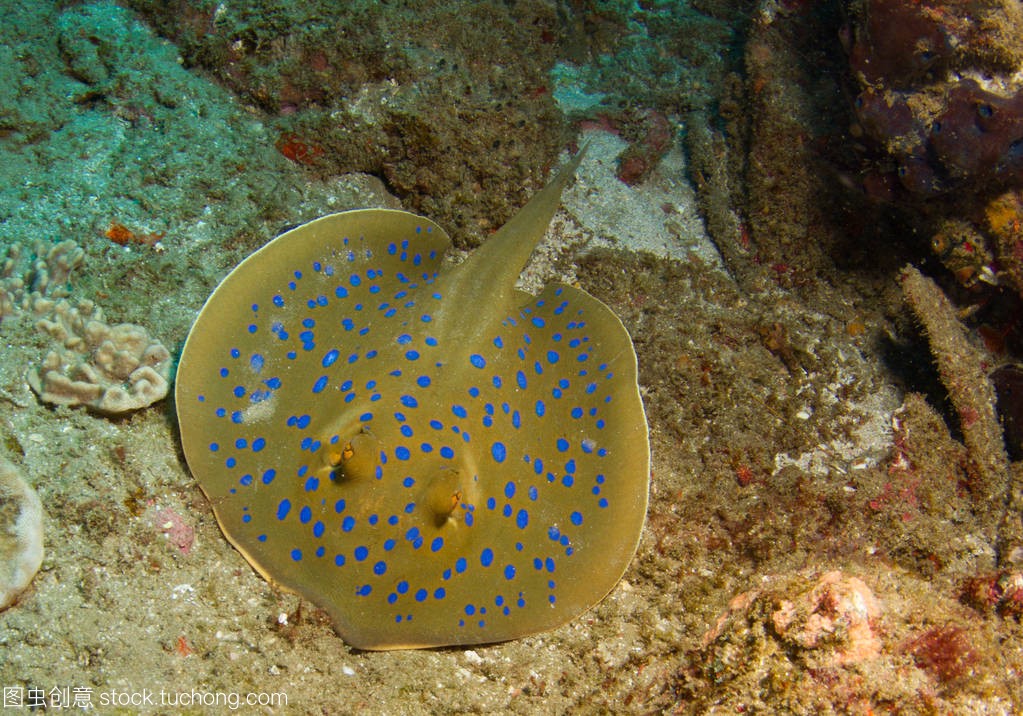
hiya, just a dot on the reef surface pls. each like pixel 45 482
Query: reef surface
pixel 830 530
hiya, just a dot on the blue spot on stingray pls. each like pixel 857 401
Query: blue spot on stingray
pixel 562 445
pixel 576 518
pixel 522 519
pixel 509 490
pixel 520 380
pixel 487 557
pixel 283 508
pixel 330 357
pixel 498 451
pixel 296 554
pixel 320 384
pixel 477 360
pixel 461 565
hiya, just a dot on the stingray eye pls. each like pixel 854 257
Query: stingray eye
pixel 443 495
pixel 357 460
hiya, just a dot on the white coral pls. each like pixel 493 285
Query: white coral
pixel 109 369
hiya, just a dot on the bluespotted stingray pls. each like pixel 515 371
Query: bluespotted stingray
pixel 430 455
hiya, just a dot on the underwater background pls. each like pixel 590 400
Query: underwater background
pixel 836 496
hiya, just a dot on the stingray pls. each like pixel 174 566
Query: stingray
pixel 428 454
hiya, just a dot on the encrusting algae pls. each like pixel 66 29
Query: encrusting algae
pixel 428 454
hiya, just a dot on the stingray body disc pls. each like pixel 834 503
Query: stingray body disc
pixel 425 489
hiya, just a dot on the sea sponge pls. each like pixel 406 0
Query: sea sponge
pixel 21 533
pixel 108 369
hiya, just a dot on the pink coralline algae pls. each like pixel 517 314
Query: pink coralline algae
pixel 937 91
pixel 837 614
pixel 179 533
pixel 829 622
